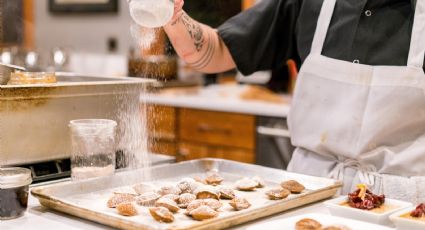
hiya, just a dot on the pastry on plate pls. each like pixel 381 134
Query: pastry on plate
pixel 308 224
pixel 226 193
pixel 214 179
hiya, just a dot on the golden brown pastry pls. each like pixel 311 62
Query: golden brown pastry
pixel 260 181
pixel 226 193
pixel 214 179
pixel 169 189
pixel 203 212
pixel 188 185
pixel 293 186
pixel 246 184
pixel 207 192
pixel 308 224
pixel 161 214
pixel 147 199
pixel 126 209
pixel 172 197
pixel 185 199
pixel 167 203
pixel 143 188
pixel 212 203
pixel 278 194
pixel 240 203
pixel 119 198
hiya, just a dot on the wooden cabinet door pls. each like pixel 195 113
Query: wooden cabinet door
pixel 217 128
pixel 191 151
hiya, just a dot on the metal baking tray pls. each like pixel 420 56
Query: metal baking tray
pixel 87 199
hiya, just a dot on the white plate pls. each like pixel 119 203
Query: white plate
pixel 325 220
pixel 406 224
pixel 337 209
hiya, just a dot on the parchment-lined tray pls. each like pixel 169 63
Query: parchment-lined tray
pixel 87 199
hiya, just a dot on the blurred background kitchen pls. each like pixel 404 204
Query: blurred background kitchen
pixel 190 115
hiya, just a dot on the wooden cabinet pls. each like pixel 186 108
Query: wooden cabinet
pixel 192 134
pixel 191 151
pixel 217 128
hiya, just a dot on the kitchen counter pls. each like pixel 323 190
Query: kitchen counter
pixel 221 98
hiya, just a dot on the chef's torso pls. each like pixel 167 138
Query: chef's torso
pixel 367 118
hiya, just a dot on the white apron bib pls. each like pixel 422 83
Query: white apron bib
pixel 360 123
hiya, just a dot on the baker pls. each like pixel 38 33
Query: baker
pixel 358 111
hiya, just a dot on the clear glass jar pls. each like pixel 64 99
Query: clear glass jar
pixel 93 148
pixel 14 187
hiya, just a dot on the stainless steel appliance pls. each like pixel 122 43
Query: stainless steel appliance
pixel 34 119
pixel 273 145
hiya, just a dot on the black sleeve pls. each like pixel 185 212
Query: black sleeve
pixel 262 37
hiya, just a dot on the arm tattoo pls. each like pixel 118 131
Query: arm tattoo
pixel 207 56
pixel 195 31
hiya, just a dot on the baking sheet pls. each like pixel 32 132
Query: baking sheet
pixel 87 199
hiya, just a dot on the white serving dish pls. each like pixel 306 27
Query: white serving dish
pixel 325 220
pixel 337 209
pixel 406 224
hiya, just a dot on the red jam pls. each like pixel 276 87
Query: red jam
pixel 419 211
pixel 366 201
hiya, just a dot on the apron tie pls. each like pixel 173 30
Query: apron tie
pixel 367 173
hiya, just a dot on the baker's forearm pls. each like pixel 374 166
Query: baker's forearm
pixel 199 45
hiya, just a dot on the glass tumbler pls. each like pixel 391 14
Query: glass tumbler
pixel 93 148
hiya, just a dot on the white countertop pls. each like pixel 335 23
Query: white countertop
pixel 217 98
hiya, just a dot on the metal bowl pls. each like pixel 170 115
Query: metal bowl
pixel 5 72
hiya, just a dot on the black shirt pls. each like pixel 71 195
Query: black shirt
pixel 373 32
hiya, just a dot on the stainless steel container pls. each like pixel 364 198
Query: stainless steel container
pixel 5 72
pixel 34 119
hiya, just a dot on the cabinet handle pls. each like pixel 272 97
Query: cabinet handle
pixel 207 128
pixel 273 132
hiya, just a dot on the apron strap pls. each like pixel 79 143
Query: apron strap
pixel 322 27
pixel 417 45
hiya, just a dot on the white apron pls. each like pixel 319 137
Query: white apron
pixel 360 123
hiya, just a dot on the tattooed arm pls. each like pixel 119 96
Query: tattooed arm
pixel 199 45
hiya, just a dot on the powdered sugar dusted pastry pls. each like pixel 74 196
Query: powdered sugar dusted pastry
pixel 260 181
pixel 293 186
pixel 226 193
pixel 148 199
pixel 119 198
pixel 206 192
pixel 246 184
pixel 143 188
pixel 212 203
pixel 167 203
pixel 126 209
pixel 169 189
pixel 214 179
pixel 278 193
pixel 172 197
pixel 161 214
pixel 185 199
pixel 203 213
pixel 239 203
pixel 188 185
